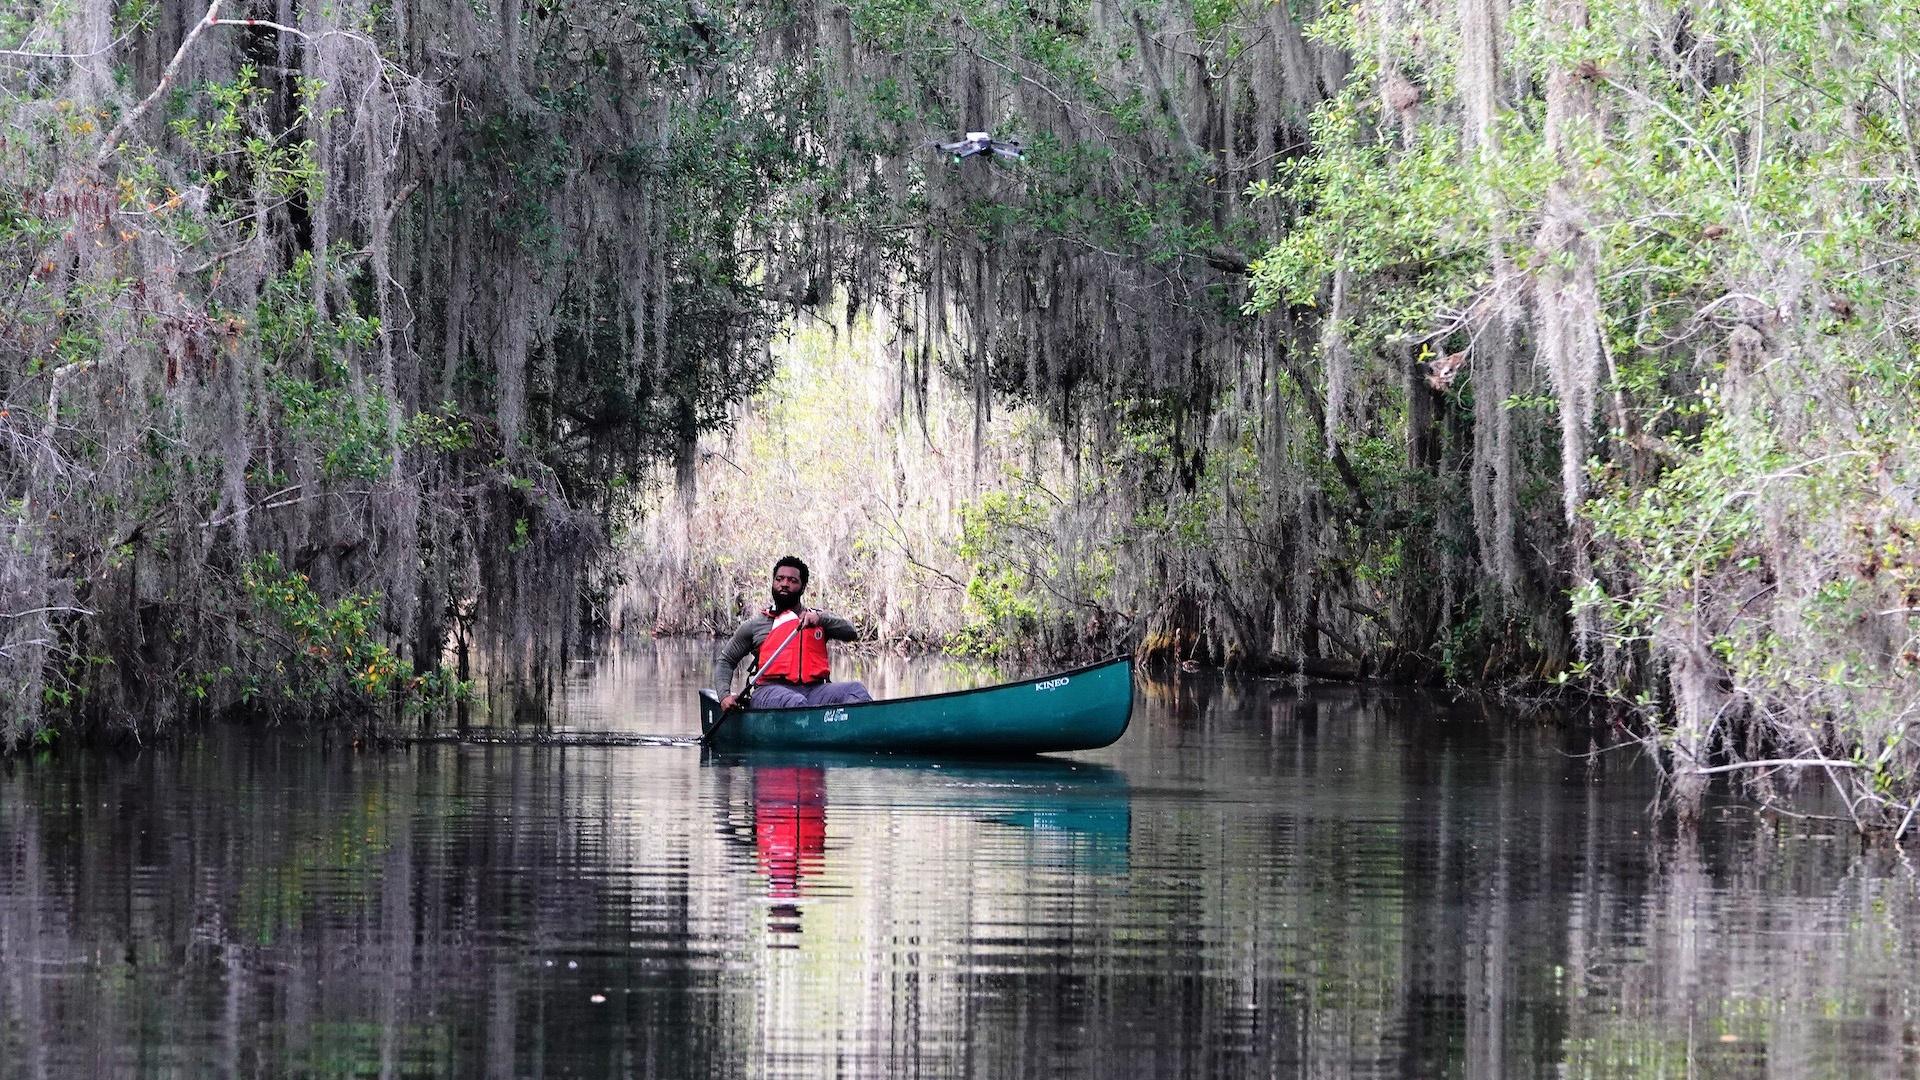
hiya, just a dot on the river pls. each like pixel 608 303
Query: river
pixel 1256 881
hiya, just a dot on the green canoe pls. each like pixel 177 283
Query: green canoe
pixel 1080 709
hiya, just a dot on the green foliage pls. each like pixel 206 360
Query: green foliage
pixel 1741 225
pixel 1674 535
pixel 235 156
pixel 344 424
pixel 1402 215
pixel 440 432
pixel 1001 536
pixel 321 657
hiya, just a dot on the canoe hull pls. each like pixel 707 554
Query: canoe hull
pixel 1082 709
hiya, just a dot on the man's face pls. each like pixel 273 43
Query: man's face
pixel 786 587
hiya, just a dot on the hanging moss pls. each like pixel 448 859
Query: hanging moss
pixel 365 315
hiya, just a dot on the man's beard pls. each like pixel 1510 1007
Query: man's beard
pixel 785 603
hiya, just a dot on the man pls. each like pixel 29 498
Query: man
pixel 789 642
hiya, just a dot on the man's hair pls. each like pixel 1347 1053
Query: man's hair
pixel 793 561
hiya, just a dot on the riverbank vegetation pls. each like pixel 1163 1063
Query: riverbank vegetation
pixel 336 336
pixel 1551 347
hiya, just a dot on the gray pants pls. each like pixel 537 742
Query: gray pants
pixel 774 695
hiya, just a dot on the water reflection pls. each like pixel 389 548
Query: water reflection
pixel 1254 882
pixel 789 836
pixel 1074 816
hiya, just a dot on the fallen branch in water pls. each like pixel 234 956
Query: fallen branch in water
pixel 476 737
pixel 1778 763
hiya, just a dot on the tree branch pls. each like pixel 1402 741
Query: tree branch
pixel 128 119
pixel 1775 763
pixel 29 54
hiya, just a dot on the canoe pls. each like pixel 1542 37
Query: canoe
pixel 1082 709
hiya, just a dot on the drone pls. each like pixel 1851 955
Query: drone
pixel 980 142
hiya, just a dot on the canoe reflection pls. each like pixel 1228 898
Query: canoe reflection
pixel 1076 816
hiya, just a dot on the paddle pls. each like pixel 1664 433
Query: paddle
pixel 740 703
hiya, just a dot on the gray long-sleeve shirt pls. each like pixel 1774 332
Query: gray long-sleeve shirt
pixel 747 640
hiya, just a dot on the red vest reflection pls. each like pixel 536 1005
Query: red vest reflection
pixel 789 828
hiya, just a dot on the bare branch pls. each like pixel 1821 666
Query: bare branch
pixel 57 609
pixel 30 54
pixel 132 115
pixel 1775 763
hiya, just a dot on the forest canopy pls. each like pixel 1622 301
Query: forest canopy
pixel 1557 347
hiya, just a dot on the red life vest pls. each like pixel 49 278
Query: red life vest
pixel 802 660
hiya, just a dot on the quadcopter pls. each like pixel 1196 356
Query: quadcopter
pixel 979 142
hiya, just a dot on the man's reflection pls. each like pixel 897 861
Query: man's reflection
pixel 789 835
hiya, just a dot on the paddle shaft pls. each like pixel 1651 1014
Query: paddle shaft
pixel 740 703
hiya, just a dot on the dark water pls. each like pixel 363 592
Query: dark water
pixel 1253 882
